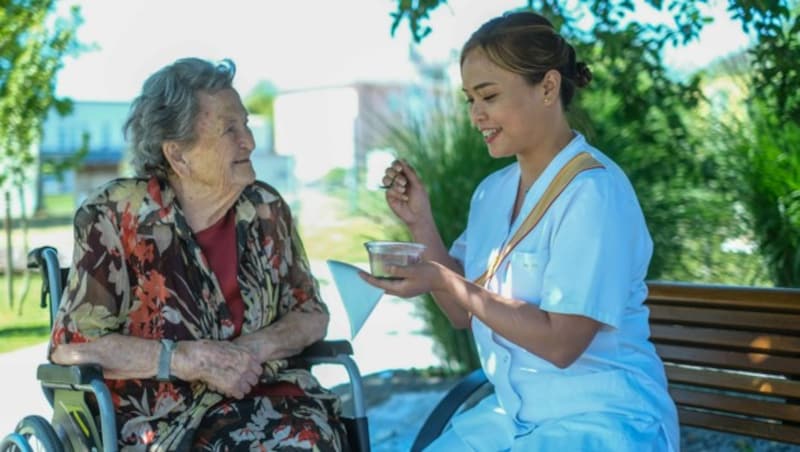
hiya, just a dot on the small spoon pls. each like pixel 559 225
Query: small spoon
pixel 391 182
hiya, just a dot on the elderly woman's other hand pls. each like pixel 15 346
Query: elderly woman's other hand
pixel 224 366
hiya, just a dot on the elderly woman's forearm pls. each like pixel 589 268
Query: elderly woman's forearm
pixel 120 356
pixel 288 336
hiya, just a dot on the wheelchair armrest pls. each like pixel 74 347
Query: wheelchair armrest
pixel 56 374
pixel 83 378
pixel 322 352
pixel 446 408
pixel 37 256
pixel 327 349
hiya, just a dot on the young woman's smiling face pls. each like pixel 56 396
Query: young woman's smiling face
pixel 509 112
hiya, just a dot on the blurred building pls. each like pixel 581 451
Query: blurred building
pixel 341 129
pixel 100 124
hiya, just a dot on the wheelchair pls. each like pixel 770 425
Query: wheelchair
pixel 75 427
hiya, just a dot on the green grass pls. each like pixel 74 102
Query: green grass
pixel 59 205
pixel 32 326
pixel 344 241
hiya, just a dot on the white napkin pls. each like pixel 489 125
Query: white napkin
pixel 358 297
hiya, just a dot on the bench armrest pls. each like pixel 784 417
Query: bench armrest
pixel 447 408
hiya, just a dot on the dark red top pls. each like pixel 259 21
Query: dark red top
pixel 218 243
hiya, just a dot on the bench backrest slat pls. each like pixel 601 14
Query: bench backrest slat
pixel 763 321
pixel 760 298
pixel 733 404
pixel 746 341
pixel 729 381
pixel 730 360
pixel 776 432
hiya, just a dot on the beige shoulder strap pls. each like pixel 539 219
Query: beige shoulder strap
pixel 581 162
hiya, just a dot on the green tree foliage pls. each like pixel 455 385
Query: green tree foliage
pixel 417 12
pixel 770 165
pixel 775 73
pixel 261 99
pixel 770 161
pixel 32 45
pixel 757 145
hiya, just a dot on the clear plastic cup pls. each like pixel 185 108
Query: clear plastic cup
pixel 400 254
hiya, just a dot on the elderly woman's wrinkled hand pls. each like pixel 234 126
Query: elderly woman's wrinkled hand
pixel 224 366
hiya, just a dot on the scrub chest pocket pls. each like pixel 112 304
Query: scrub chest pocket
pixel 525 275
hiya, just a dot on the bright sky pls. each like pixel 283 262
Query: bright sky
pixel 294 44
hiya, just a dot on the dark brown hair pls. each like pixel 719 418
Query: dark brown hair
pixel 526 43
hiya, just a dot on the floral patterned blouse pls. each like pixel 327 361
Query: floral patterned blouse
pixel 138 270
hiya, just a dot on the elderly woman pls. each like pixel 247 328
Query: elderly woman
pixel 190 285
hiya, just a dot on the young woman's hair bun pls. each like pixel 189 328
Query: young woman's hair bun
pixel 583 75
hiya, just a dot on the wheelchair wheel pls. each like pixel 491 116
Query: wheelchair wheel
pixel 39 433
pixel 14 442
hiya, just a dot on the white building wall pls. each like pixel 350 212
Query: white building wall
pixel 317 128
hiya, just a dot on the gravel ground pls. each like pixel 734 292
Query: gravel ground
pixel 398 402
pixel 701 440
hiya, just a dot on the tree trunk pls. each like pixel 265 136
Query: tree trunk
pixel 23 218
pixel 9 253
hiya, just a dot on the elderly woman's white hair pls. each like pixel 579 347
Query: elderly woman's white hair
pixel 167 109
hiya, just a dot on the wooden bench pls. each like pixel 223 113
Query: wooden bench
pixel 732 356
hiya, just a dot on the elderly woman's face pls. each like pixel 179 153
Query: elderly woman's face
pixel 220 157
